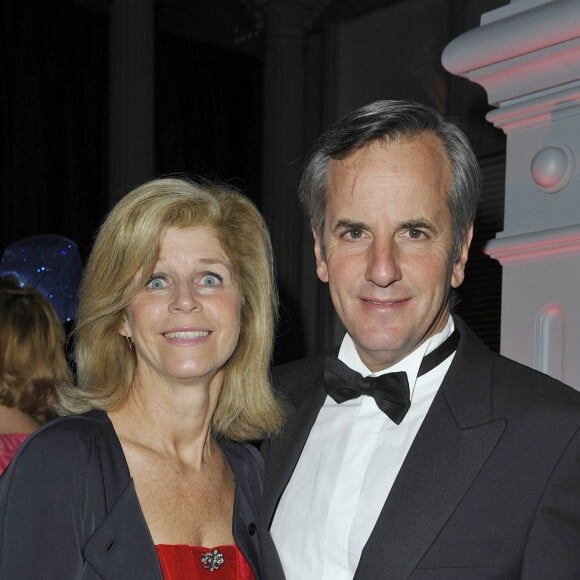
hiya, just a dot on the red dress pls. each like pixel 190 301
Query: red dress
pixel 9 444
pixel 181 562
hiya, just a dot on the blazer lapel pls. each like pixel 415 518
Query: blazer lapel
pixel 452 445
pixel 122 546
pixel 282 453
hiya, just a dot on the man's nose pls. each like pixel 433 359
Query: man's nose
pixel 383 262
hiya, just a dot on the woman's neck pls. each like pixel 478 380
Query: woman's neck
pixel 175 421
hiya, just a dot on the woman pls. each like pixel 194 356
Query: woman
pixel 32 362
pixel 149 476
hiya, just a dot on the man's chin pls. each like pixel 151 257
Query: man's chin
pixel 380 352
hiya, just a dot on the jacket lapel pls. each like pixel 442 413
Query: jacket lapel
pixel 282 453
pixel 122 547
pixel 454 442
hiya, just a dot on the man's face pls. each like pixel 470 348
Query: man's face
pixel 388 246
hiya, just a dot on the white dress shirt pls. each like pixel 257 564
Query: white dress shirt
pixel 346 470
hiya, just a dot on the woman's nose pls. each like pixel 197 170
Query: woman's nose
pixel 185 298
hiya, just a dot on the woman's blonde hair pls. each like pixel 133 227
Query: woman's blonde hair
pixel 32 355
pixel 127 244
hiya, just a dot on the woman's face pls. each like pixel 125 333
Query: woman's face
pixel 185 321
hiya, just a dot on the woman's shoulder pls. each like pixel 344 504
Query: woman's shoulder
pixel 247 466
pixel 245 462
pixel 70 425
pixel 243 452
pixel 63 440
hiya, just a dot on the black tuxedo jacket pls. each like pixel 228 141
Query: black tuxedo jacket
pixel 490 488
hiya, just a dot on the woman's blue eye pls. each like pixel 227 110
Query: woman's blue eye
pixel 211 280
pixel 156 283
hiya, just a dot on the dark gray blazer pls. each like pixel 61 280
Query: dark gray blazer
pixel 68 507
pixel 490 488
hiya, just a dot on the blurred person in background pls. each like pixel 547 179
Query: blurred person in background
pixel 32 363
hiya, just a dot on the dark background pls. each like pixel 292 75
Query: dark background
pixel 209 117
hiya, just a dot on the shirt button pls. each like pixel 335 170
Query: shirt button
pixel 252 529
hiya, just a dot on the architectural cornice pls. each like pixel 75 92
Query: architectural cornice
pixel 520 53
pixel 515 35
pixel 535 246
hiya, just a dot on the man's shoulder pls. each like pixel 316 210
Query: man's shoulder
pixel 293 378
pixel 309 364
pixel 514 379
pixel 526 384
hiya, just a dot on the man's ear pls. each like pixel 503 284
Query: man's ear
pixel 458 273
pixel 319 254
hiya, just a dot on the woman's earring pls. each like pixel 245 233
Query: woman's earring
pixel 129 343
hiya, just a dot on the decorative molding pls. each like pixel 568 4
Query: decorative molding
pixel 541 109
pixel 520 54
pixel 519 34
pixel 527 74
pixel 535 246
pixel 552 167
pixel 514 7
pixel 549 340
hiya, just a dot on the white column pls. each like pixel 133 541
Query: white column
pixel 131 125
pixel 527 56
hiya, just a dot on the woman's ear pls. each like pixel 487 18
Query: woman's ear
pixel 124 327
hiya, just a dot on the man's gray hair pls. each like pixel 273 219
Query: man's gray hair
pixel 388 121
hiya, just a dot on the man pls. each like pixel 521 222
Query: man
pixel 460 465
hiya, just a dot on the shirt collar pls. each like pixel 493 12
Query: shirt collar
pixel 410 364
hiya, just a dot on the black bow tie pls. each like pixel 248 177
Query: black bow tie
pixel 391 390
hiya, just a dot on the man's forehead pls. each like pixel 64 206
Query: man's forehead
pixel 421 157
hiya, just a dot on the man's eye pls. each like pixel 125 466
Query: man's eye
pixel 156 283
pixel 355 233
pixel 211 280
pixel 415 234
